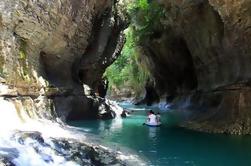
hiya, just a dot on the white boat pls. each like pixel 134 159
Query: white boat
pixel 153 125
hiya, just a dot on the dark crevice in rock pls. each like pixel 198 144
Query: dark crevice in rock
pixel 110 39
pixel 151 95
pixel 174 72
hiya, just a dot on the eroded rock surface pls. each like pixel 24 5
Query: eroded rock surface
pixel 201 56
pixel 51 48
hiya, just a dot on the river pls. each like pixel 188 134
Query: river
pixel 169 144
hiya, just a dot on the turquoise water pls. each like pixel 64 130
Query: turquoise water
pixel 170 145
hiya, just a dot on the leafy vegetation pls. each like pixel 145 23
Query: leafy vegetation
pixel 145 19
pixel 2 61
pixel 127 71
pixel 24 68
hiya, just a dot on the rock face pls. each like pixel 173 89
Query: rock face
pixel 52 150
pixel 201 56
pixel 51 48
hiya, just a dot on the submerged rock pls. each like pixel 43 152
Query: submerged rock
pixel 34 135
pixel 70 149
pixel 4 161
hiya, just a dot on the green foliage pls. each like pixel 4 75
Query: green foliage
pixel 2 61
pixel 126 71
pixel 143 4
pixel 145 18
pixel 24 68
pixel 22 54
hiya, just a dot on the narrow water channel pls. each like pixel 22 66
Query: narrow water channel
pixel 170 145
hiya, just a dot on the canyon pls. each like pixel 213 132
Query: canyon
pixel 53 55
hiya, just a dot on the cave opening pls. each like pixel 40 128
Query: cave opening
pixel 130 75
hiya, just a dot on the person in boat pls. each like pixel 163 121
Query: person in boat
pixel 158 117
pixel 151 119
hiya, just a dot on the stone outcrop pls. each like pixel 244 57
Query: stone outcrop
pixel 51 48
pixel 201 57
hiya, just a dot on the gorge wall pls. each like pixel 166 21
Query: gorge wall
pixel 51 48
pixel 201 57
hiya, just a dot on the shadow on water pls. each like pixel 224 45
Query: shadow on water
pixel 171 145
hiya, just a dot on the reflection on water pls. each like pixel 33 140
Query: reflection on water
pixel 170 145
pixel 109 127
pixel 116 124
pixel 152 133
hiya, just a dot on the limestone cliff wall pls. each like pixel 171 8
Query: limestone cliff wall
pixel 51 48
pixel 202 56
